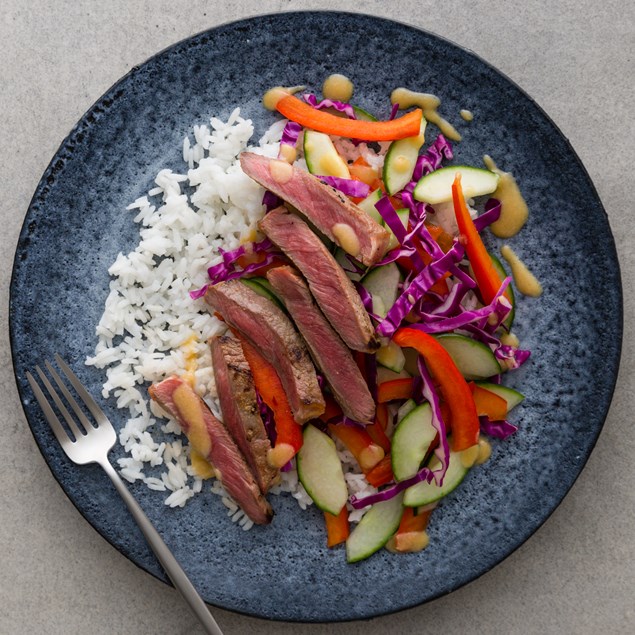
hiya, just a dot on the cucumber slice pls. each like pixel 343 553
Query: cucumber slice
pixel 345 263
pixel 391 356
pixel 383 285
pixel 511 396
pixel 363 115
pixel 320 471
pixel 500 270
pixel 405 408
pixel 256 284
pixel 411 441
pixel 436 187
pixel 425 493
pixel 368 205
pixel 385 374
pixel 322 157
pixel 404 215
pixel 401 159
pixel 374 530
pixel 474 359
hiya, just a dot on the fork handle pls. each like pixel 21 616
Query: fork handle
pixel 166 558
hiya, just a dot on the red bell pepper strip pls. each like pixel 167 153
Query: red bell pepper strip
pixel 296 110
pixel 381 474
pixel 453 387
pixel 288 430
pixel 488 403
pixel 487 277
pixel 395 389
pixel 337 529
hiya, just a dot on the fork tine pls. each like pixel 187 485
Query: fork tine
pixel 84 395
pixel 60 404
pixel 69 398
pixel 50 416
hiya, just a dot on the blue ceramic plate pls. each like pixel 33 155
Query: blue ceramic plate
pixel 76 226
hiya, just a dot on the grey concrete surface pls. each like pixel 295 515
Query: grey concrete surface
pixel 576 58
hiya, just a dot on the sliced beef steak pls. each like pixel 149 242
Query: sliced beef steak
pixel 330 353
pixel 328 282
pixel 329 210
pixel 241 415
pixel 273 334
pixel 210 438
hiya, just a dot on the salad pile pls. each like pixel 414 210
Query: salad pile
pixel 441 304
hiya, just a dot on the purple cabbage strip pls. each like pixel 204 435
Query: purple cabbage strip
pixel 430 161
pixel 424 474
pixel 466 317
pixel 442 452
pixel 393 112
pixel 490 215
pixel 450 305
pixel 340 106
pixel 389 214
pixel 267 419
pixel 199 293
pixel 497 429
pixel 417 288
pixel 271 201
pixel 349 187
pixel 291 134
pixel 225 270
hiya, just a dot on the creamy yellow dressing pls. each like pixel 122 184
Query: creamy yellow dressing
pixel 191 359
pixel 281 171
pixel 466 115
pixel 514 211
pixel 525 281
pixel 510 339
pixel 429 104
pixel 484 452
pixel 201 466
pixel 271 98
pixel 337 87
pixel 469 456
pixel 190 408
pixel 288 153
pixel 346 238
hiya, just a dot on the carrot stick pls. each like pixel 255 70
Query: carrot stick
pixel 413 522
pixel 332 409
pixel 269 386
pixel 336 527
pixel 381 473
pixel 359 444
pixel 395 389
pixel 411 535
pixel 488 403
pixel 377 434
pixel 296 110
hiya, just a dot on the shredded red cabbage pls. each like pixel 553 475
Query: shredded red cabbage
pixel 340 106
pixel 367 301
pixel 393 112
pixel 497 429
pixel 430 161
pixel 388 213
pixel 349 187
pixel 490 215
pixel 271 201
pixel 290 134
pixel 417 288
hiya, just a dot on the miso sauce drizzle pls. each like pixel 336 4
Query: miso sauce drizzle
pixel 429 104
pixel 525 281
pixel 337 87
pixel 514 211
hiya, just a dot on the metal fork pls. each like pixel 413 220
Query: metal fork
pixel 91 445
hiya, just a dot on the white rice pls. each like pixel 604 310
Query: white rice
pixel 150 327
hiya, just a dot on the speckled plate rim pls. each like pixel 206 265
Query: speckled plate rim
pixel 106 97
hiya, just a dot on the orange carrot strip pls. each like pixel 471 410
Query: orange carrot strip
pixel 337 530
pixel 359 444
pixel 363 173
pixel 487 277
pixel 413 522
pixel 381 473
pixel 377 434
pixel 269 386
pixel 395 389
pixel 296 110
pixel 488 403
pixel 381 415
